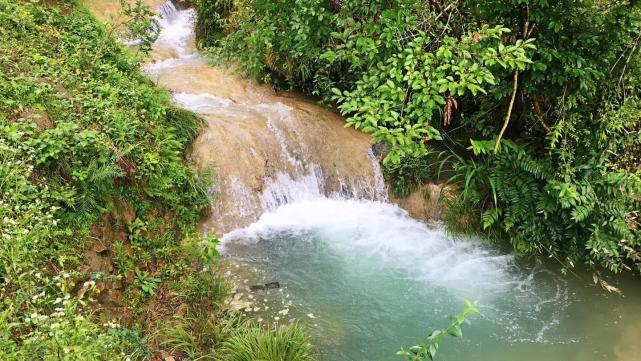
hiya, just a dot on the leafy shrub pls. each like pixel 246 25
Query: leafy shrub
pixel 211 15
pixel 548 92
pixel 279 41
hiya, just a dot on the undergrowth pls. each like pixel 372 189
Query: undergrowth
pixel 99 250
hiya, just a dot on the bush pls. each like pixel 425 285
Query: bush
pixel 543 95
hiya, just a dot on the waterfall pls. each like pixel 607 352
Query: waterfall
pixel 379 180
pixel 285 154
pixel 167 11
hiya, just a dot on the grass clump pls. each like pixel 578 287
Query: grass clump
pixel 253 343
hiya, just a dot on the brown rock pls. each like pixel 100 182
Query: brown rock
pixel 125 211
pixel 111 298
pixel 422 203
pixel 98 262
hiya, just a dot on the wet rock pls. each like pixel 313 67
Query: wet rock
pixel 423 203
pixel 380 149
pixel 266 286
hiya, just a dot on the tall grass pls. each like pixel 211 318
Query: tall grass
pixel 254 343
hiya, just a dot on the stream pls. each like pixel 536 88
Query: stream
pixel 302 202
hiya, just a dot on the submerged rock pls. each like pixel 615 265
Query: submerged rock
pixel 266 286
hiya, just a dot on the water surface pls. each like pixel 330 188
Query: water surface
pixel 368 279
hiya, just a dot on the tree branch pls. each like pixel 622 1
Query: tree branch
pixel 539 115
pixel 509 111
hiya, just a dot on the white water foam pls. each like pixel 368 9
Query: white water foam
pixel 177 28
pixel 203 103
pixel 385 233
pixel 308 180
pixel 176 31
pixel 524 306
pixel 285 190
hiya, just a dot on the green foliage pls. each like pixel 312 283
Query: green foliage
pixel 255 343
pixel 427 350
pixel 584 216
pixel 140 24
pixel 44 321
pixel 148 284
pixel 277 41
pixel 82 133
pixel 558 80
pixel 212 15
pixel 224 336
pixel 413 65
pixel 568 185
pixel 91 150
pixel 200 332
pixel 398 97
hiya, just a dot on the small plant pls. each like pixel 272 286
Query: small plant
pixel 208 251
pixel 148 284
pixel 140 26
pixel 428 349
pixel 121 260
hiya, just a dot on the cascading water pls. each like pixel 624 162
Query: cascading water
pixel 303 202
pixel 266 148
pixel 368 279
